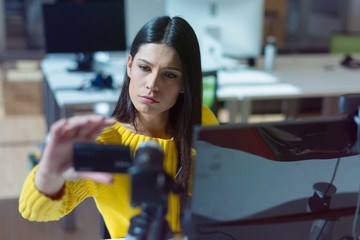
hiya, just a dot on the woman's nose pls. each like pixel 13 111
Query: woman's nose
pixel 153 82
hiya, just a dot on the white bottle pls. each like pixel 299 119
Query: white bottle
pixel 270 54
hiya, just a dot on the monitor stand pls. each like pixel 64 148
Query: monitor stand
pixel 251 62
pixel 85 61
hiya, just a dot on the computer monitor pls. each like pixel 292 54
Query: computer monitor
pixel 84 28
pixel 345 42
pixel 258 181
pixel 236 24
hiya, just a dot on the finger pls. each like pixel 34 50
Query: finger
pixel 97 132
pixel 99 127
pixel 56 129
pixel 92 125
pixel 71 129
pixel 70 133
pixel 79 124
pixel 95 126
pixel 80 128
pixel 101 177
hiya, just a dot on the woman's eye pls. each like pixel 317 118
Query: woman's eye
pixel 170 75
pixel 144 68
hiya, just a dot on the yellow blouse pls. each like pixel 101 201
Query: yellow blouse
pixel 113 201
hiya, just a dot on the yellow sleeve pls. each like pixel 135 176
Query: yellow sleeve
pixel 35 206
pixel 208 117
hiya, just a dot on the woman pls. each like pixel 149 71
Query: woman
pixel 160 100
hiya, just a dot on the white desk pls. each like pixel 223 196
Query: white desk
pixel 61 87
pixel 294 77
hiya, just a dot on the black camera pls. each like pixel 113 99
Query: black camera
pixel 101 158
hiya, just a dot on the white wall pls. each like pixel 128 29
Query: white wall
pixel 138 12
pixel 353 20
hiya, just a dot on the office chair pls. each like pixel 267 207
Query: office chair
pixel 209 90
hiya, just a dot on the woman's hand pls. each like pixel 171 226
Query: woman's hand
pixel 56 164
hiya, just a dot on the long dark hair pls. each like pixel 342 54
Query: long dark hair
pixel 178 34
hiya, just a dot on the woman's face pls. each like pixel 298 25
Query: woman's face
pixel 155 78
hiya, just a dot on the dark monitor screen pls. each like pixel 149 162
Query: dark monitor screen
pixel 87 27
pixel 258 181
pixel 84 28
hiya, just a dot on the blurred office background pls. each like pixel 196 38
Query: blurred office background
pixel 299 26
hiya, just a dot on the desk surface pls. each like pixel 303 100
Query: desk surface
pixel 55 66
pixel 309 75
pixel 294 76
pixel 65 85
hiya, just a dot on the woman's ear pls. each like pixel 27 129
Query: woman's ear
pixel 129 64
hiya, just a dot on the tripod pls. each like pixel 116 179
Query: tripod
pixel 150 186
pixel 150 224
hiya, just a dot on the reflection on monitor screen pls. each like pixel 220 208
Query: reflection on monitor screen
pixel 236 24
pixel 84 28
pixel 285 180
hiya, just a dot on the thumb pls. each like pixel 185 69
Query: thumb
pixel 100 177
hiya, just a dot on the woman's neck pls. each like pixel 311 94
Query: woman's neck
pixel 152 126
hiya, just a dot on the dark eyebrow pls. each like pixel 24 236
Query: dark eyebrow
pixel 146 61
pixel 167 68
pixel 173 68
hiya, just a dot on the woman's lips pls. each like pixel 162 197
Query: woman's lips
pixel 148 99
